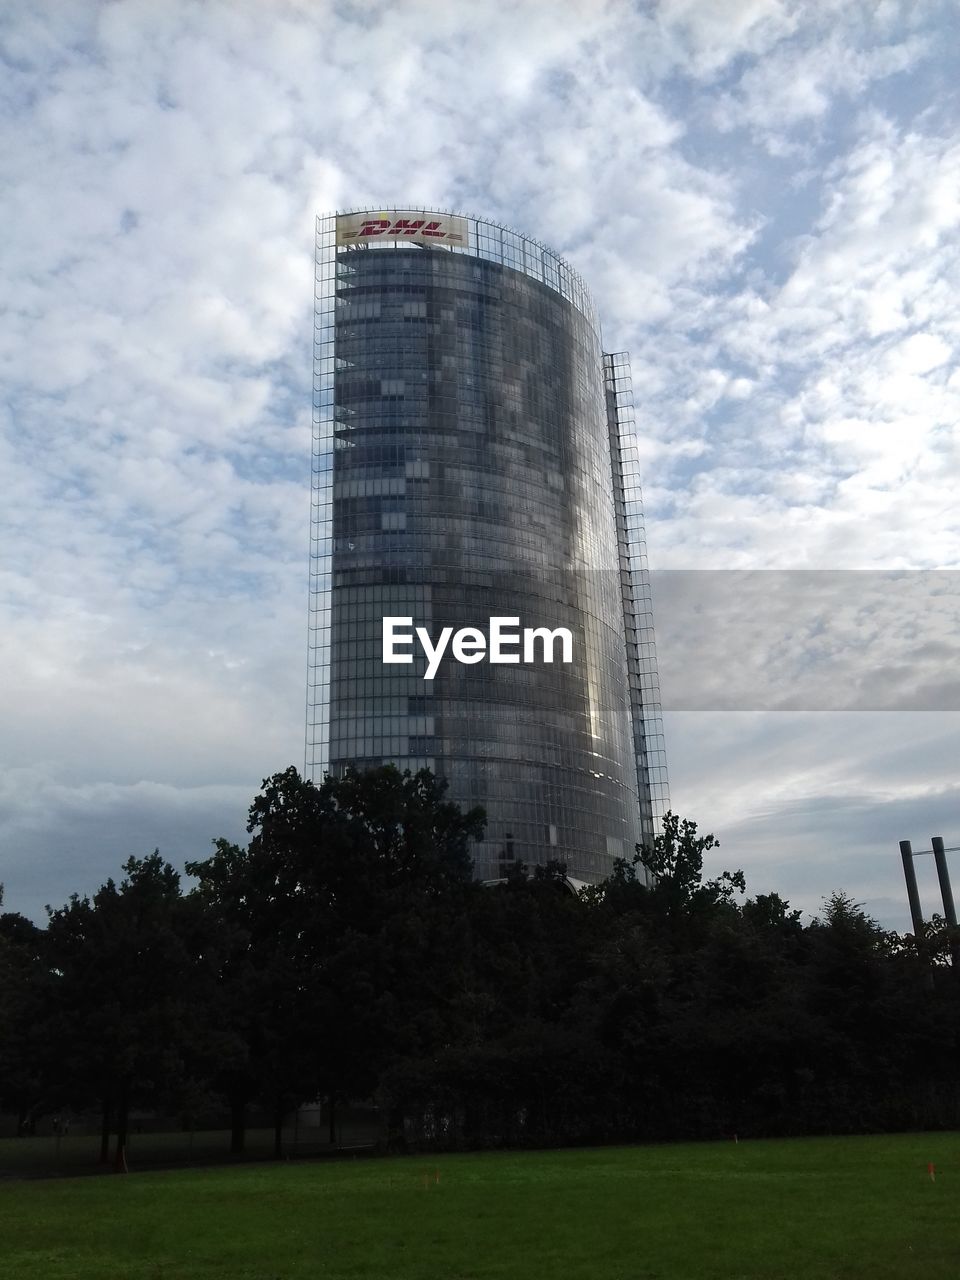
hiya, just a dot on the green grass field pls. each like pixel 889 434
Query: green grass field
pixel 827 1207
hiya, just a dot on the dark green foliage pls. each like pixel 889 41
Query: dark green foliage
pixel 343 912
pixel 23 1000
pixel 129 986
pixel 346 954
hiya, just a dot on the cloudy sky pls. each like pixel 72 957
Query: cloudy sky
pixel 764 198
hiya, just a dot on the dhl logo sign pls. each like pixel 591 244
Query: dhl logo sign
pixel 402 224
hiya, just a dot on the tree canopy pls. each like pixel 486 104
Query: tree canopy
pixel 345 953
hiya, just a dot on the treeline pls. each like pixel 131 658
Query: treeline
pixel 346 954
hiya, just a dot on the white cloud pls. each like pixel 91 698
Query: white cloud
pixel 792 86
pixel 793 327
pixel 809 641
pixel 710 34
pixel 851 359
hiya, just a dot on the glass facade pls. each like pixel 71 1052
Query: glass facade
pixel 472 459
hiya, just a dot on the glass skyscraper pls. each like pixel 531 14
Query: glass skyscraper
pixel 474 458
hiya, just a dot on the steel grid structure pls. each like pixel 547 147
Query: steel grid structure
pixel 317 737
pixel 342 376
pixel 649 745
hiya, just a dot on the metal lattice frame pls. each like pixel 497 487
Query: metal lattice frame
pixel 321 503
pixel 497 243
pixel 649 747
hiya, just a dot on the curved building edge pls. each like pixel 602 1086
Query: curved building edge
pixel 510 249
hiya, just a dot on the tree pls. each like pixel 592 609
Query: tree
pixel 22 1003
pixel 675 860
pixel 129 996
pixel 341 907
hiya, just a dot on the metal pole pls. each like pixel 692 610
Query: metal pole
pixel 913 893
pixel 946 893
pixel 943 875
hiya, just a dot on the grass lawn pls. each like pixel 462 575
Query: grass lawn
pixel 822 1207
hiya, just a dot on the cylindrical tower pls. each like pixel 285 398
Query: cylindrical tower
pixel 465 469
